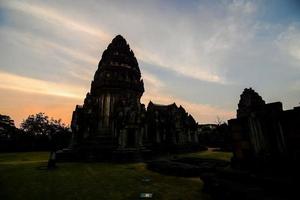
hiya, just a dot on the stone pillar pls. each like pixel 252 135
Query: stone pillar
pixel 196 138
pixel 124 143
pixel 157 137
pixel 106 110
pixel 179 137
pixel 281 141
pixel 256 135
pixel 189 136
pixel 122 139
pixel 101 112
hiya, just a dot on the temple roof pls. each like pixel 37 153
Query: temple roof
pixel 117 69
pixel 119 40
pixel 162 106
pixel 118 53
pixel 153 106
pixel 250 98
pixel 249 101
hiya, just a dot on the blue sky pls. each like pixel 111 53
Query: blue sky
pixel 199 54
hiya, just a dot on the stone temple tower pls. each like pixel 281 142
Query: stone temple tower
pixel 111 121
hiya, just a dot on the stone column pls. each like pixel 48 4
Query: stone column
pixel 189 136
pixel 107 110
pixel 157 137
pixel 124 138
pixel 196 138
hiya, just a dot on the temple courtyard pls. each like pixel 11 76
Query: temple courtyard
pixel 25 176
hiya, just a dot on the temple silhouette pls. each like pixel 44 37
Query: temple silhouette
pixel 113 124
pixel 264 136
pixel 266 153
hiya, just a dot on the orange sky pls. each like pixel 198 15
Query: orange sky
pixel 191 56
pixel 22 96
pixel 18 105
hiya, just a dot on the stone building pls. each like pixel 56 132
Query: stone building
pixel 112 122
pixel 171 128
pixel 264 134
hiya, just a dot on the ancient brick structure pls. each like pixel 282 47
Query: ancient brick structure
pixel 264 134
pixel 171 128
pixel 112 123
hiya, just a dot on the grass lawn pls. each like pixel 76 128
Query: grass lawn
pixel 23 177
pixel 209 154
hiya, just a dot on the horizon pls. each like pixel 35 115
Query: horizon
pixel 199 54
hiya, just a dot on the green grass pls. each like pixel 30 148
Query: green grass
pixel 210 154
pixel 23 157
pixel 21 177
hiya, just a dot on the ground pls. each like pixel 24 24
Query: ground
pixel 24 176
pixel 219 155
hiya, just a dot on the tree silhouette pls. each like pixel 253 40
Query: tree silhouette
pixel 36 133
pixel 37 124
pixel 7 126
pixel 48 133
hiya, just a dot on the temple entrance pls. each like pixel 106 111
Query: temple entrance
pixel 130 138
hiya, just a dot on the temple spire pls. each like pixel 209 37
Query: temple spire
pixel 119 53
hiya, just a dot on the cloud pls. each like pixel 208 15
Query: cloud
pixel 29 85
pixel 58 20
pixel 199 53
pixel 156 92
pixel 289 42
pixel 46 46
pixel 189 71
pixel 19 105
pixel 201 112
pixel 51 16
pixel 151 81
pixel 12 84
pixel 242 7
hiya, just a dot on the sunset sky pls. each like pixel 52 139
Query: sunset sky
pixel 199 54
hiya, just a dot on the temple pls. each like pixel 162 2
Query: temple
pixel 264 135
pixel 113 124
pixel 171 128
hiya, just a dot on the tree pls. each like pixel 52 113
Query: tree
pixel 37 124
pixel 57 127
pixel 7 126
pixel 6 121
pixel 8 133
pixel 47 134
pixel 219 121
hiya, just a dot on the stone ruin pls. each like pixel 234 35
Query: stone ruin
pixel 172 128
pixel 266 144
pixel 113 124
pixel 263 134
